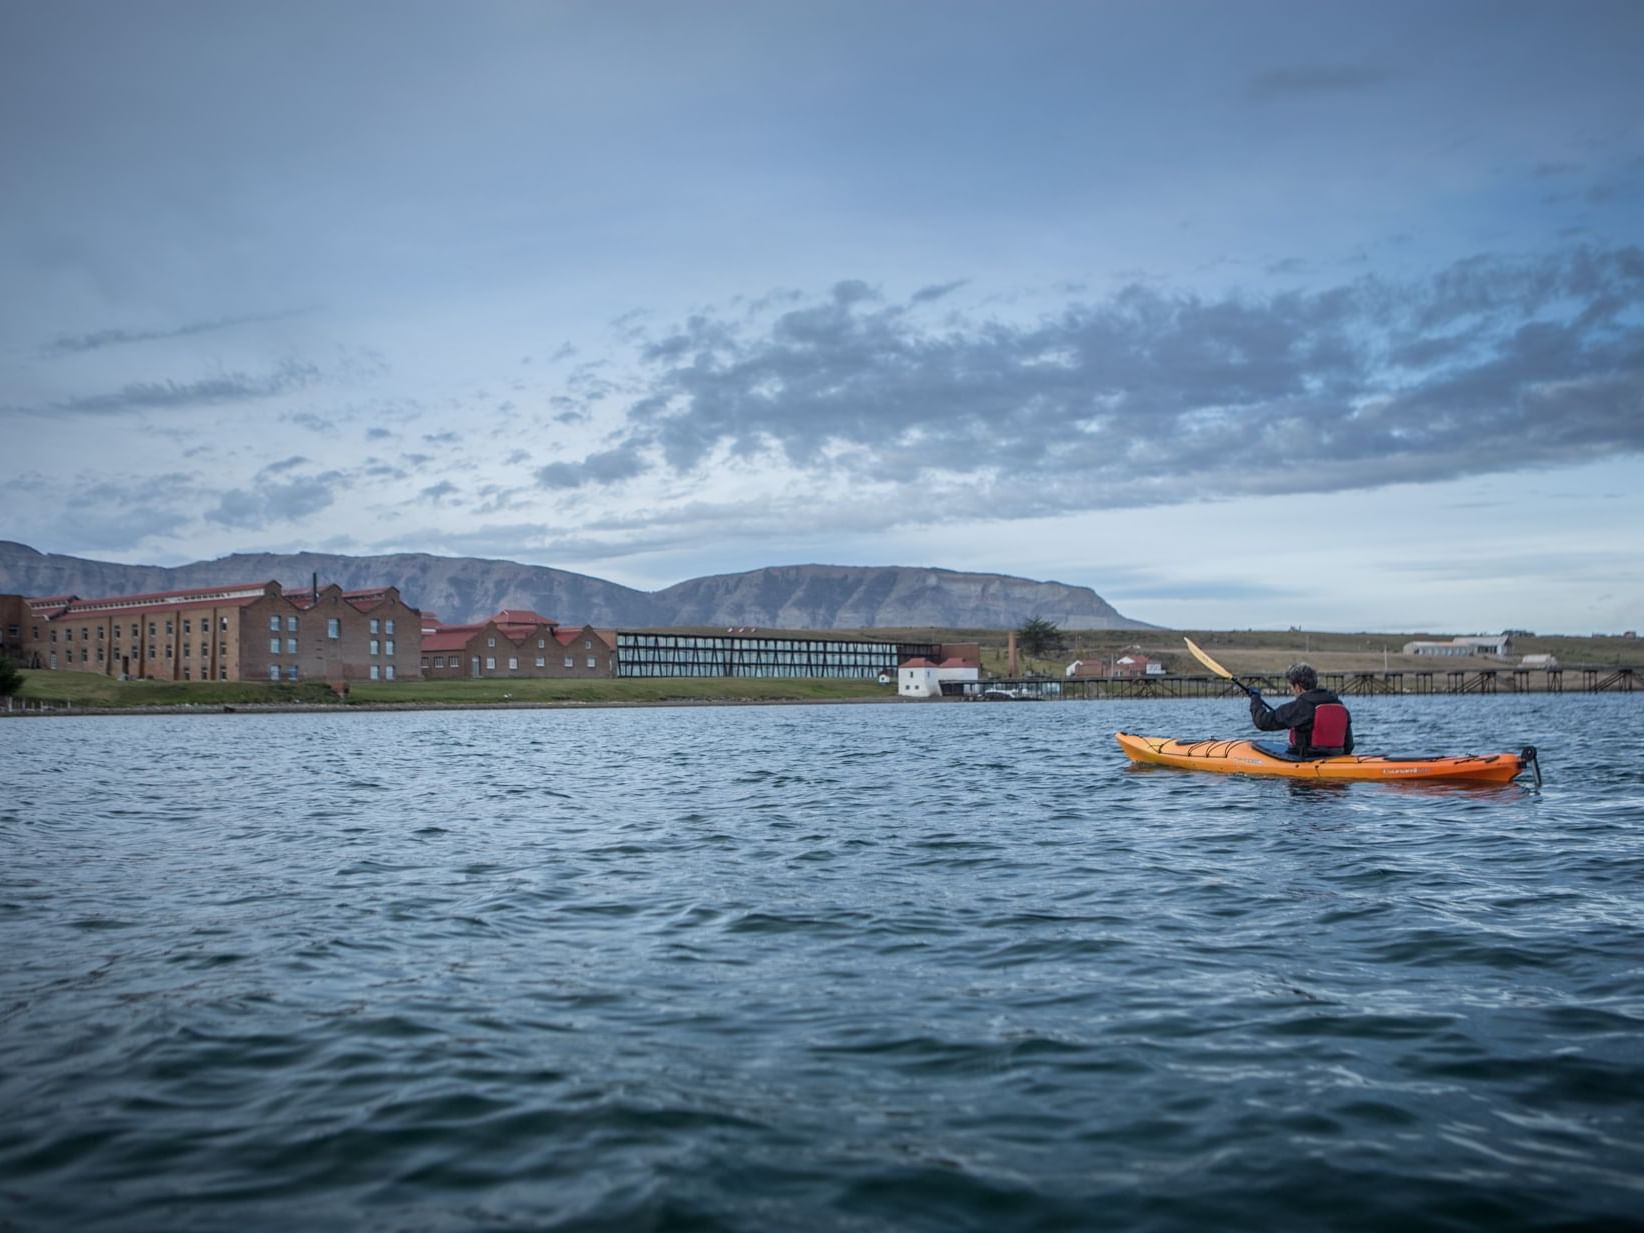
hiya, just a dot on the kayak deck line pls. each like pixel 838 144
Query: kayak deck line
pixel 1247 757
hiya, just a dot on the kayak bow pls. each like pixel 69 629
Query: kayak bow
pixel 1245 757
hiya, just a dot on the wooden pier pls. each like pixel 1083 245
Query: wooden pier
pixel 1346 684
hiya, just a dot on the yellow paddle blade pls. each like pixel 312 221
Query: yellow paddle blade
pixel 1206 660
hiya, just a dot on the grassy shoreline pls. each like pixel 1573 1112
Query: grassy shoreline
pixel 1248 652
pixel 83 691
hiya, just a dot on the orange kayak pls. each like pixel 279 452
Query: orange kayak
pixel 1244 757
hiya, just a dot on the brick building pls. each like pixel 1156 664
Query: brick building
pixel 14 616
pixel 514 643
pixel 254 631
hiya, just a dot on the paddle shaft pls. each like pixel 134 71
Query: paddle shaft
pixel 1220 671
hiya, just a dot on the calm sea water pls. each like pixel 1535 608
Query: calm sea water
pixel 929 967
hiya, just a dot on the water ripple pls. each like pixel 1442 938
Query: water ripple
pixel 938 968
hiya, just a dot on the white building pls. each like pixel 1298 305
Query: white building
pixel 1499 645
pixel 919 678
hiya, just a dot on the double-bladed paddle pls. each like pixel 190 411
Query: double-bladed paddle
pixel 1218 669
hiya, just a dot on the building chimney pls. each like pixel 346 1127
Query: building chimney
pixel 1010 656
pixel 316 585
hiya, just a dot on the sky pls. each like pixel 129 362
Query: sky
pixel 1248 315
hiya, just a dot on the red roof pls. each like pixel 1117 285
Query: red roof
pixel 956 662
pixel 521 616
pixel 447 637
pixel 153 598
pixel 918 663
pixel 152 601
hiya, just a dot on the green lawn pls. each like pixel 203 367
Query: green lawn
pixel 93 689
pixel 88 689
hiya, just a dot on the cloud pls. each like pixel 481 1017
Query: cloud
pixel 80 343
pixel 288 377
pixel 269 501
pixel 605 467
pixel 1305 82
pixel 1148 397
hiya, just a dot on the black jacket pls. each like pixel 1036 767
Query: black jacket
pixel 1298 714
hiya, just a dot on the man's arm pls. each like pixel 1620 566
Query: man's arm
pixel 1270 719
pixel 1264 716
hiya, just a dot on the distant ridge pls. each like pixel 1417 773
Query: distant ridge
pixel 471 588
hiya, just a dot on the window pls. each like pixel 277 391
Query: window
pixel 222 648
pixel 490 642
pixel 187 648
pixel 151 629
pixel 290 646
pixel 222 674
pixel 291 672
pixel 439 661
pixel 541 662
pixel 389 672
pixel 388 627
pixel 569 662
pixel 490 663
pixel 168 629
pixel 587 645
pixel 333 627
pixel 374 650
pixel 388 647
pixel 274 623
pixel 375 672
pixel 134 631
pixel 541 642
pixel 273 672
pixel 187 628
pixel 100 633
pixel 291 625
pixel 273 646
pixel 513 663
pixel 376 625
pixel 592 662
pixel 223 626
pixel 185 675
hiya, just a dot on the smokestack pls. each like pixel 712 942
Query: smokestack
pixel 1010 656
pixel 316 585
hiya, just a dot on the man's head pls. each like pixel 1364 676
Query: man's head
pixel 1302 677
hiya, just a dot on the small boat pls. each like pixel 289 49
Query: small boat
pixel 1246 757
pixel 1008 695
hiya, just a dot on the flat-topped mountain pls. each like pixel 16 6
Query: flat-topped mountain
pixel 471 588
pixel 860 597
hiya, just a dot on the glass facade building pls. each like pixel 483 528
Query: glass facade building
pixel 754 655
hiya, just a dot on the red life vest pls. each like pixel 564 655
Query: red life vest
pixel 1329 726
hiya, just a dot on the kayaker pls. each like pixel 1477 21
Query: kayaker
pixel 1312 713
